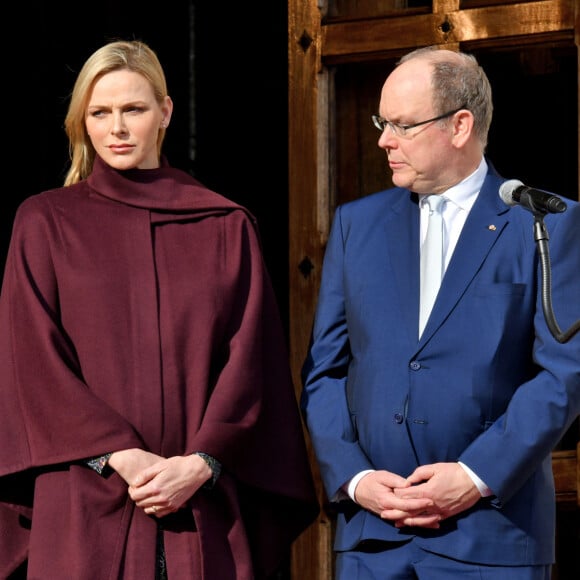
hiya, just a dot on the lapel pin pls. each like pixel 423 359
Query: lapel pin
pixel 491 227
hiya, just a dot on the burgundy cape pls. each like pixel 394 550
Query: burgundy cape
pixel 136 311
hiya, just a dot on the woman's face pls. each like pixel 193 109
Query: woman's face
pixel 123 120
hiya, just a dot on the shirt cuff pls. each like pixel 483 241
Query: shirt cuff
pixel 351 487
pixel 483 489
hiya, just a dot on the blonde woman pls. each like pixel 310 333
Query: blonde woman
pixel 150 428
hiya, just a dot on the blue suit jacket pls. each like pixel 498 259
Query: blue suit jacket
pixel 487 384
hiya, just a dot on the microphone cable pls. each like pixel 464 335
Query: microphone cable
pixel 541 236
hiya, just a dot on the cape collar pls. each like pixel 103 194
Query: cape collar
pixel 163 189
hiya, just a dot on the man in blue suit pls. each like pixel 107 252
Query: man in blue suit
pixel 435 445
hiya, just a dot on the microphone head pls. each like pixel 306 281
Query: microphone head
pixel 507 190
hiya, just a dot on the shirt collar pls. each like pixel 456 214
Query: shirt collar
pixel 464 194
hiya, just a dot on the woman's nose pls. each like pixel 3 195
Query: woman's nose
pixel 118 127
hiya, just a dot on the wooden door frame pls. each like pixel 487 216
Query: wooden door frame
pixel 315 44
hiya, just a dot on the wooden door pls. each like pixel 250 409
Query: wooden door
pixel 339 55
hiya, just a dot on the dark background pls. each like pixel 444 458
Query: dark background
pixel 226 68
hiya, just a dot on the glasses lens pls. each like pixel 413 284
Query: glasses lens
pixel 381 124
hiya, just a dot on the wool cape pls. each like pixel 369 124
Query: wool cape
pixel 136 311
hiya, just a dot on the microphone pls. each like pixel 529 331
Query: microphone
pixel 514 192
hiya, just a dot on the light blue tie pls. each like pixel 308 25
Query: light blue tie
pixel 432 264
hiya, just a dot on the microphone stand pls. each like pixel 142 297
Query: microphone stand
pixel 541 236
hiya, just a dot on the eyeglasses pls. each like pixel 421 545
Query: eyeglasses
pixel 401 130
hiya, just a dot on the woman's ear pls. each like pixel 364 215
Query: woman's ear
pixel 167 110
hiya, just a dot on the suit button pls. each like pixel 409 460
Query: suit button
pixel 415 365
pixel 398 418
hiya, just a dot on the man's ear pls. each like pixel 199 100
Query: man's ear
pixel 463 124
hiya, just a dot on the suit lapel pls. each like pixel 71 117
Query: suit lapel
pixel 482 228
pixel 402 231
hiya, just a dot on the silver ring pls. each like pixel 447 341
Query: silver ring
pixel 154 509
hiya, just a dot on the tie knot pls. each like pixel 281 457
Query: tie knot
pixel 435 203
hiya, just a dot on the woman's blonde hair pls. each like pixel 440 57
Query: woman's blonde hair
pixel 132 55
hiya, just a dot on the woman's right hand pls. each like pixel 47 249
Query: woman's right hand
pixel 128 463
pixel 165 487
